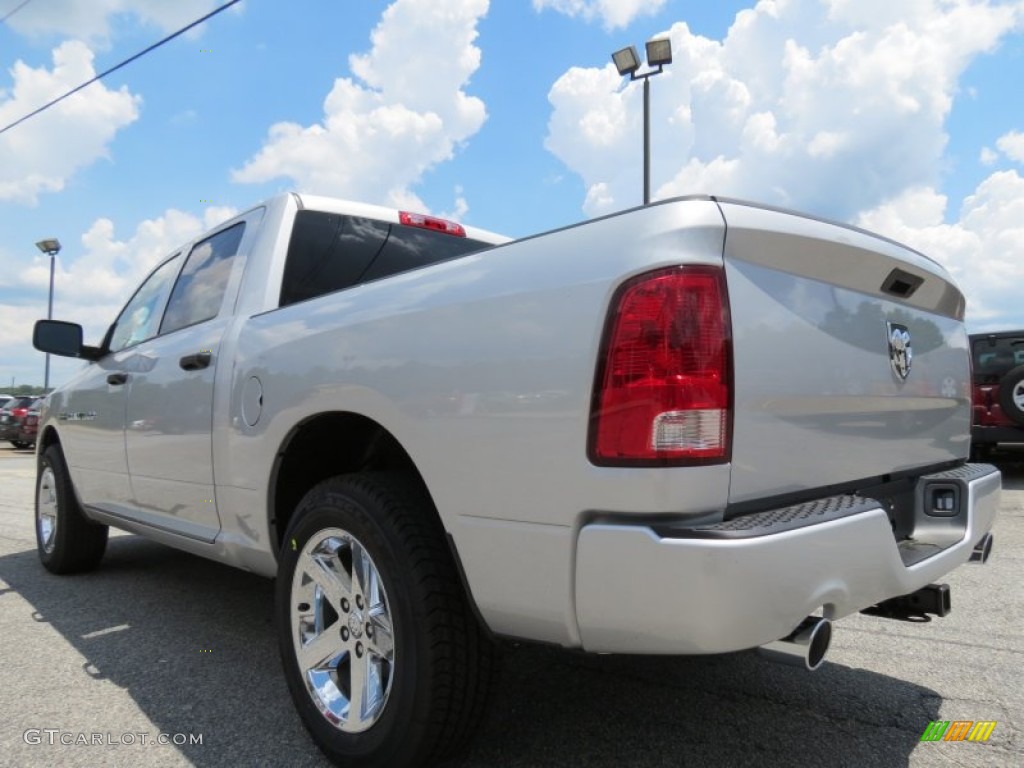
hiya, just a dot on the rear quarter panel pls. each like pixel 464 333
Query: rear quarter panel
pixel 482 367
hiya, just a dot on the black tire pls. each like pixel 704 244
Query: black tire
pixel 20 445
pixel 73 543
pixel 443 663
pixel 1008 386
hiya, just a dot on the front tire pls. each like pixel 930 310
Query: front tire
pixel 385 662
pixel 67 541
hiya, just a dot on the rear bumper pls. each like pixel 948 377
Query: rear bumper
pixel 750 581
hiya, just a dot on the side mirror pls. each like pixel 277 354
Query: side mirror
pixel 58 337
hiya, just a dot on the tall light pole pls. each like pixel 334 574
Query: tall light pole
pixel 51 248
pixel 659 53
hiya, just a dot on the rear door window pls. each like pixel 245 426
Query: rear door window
pixel 199 291
pixel 411 247
pixel 329 252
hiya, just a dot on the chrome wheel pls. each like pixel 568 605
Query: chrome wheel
pixel 384 659
pixel 1018 395
pixel 341 630
pixel 46 510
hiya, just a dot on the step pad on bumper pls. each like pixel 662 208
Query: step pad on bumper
pixel 966 473
pixel 774 520
pixel 912 551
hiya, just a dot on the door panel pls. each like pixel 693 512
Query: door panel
pixel 168 435
pixel 91 416
pixel 92 410
pixel 169 422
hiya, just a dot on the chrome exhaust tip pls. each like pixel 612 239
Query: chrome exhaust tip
pixel 805 646
pixel 982 550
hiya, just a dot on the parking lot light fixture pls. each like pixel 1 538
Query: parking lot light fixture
pixel 659 53
pixel 51 247
pixel 626 61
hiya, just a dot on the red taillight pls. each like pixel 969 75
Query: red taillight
pixel 431 222
pixel 664 385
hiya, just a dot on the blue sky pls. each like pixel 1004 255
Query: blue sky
pixel 902 117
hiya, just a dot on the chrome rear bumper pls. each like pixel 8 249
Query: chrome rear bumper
pixel 752 580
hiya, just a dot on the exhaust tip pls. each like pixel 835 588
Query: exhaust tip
pixel 806 646
pixel 982 550
pixel 821 639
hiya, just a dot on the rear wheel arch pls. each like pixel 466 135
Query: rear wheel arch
pixel 327 445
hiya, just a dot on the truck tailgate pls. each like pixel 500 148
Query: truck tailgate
pixel 850 354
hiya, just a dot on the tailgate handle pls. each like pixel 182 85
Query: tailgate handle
pixel 195 362
pixel 901 284
pixel 117 378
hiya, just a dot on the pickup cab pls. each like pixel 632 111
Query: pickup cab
pixel 695 427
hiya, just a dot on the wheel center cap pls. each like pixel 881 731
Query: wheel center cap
pixel 355 623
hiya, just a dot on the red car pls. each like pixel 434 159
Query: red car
pixel 29 428
pixel 998 390
pixel 11 418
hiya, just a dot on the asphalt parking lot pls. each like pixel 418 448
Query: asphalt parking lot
pixel 160 642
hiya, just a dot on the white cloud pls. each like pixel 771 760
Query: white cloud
pixel 983 249
pixel 91 20
pixel 613 14
pixel 830 106
pixel 185 117
pixel 593 131
pixel 459 207
pixel 108 269
pixel 92 281
pixel 40 155
pixel 988 156
pixel 405 111
pixel 1012 145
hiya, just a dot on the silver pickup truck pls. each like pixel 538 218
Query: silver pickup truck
pixel 694 427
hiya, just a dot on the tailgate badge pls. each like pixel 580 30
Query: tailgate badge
pixel 900 352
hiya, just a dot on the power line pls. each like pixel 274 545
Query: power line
pixel 116 67
pixel 11 13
